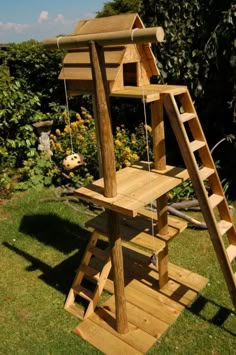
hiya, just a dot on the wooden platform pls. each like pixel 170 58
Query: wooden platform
pixel 149 92
pixel 150 310
pixel 136 187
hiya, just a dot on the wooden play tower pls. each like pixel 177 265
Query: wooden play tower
pixel 112 57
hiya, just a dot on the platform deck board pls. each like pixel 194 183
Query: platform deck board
pixel 151 311
pixel 136 187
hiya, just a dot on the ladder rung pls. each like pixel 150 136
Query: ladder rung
pixel 195 145
pixel 231 251
pixel 224 226
pixel 99 253
pixel 187 116
pixel 215 200
pixel 90 271
pixel 206 172
pixel 83 292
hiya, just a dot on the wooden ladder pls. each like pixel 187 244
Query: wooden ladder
pixel 98 275
pixel 205 180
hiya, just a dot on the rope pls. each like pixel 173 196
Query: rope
pixel 67 101
pixel 154 255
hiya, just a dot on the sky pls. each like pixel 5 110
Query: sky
pixel 22 20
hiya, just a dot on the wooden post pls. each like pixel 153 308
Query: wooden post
pixel 159 160
pixel 103 119
pixel 113 221
pixel 99 155
pixel 109 174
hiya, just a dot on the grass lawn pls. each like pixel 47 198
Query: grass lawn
pixel 41 246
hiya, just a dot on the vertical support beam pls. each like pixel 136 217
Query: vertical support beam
pixel 104 130
pixel 98 143
pixel 159 151
pixel 103 119
pixel 113 221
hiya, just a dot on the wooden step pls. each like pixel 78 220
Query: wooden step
pixel 224 226
pixel 187 116
pixel 90 271
pixel 231 251
pixel 205 172
pixel 83 292
pixel 196 145
pixel 215 200
pixel 100 254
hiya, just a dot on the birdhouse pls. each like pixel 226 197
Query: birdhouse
pixel 126 65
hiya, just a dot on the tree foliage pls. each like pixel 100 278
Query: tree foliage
pixel 116 7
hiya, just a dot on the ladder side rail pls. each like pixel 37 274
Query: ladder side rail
pixel 208 161
pixel 192 167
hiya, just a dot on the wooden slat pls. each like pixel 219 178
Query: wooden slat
pixel 215 200
pixel 186 116
pixel 145 321
pixel 205 172
pixel 83 292
pixel 151 306
pixel 85 73
pixel 136 187
pixel 136 337
pixel 195 145
pixel 90 271
pixel 231 252
pixel 155 294
pixel 112 56
pixel 101 25
pixel 103 339
pixel 75 310
pixel 224 226
pixel 99 253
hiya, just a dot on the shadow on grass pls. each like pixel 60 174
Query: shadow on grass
pixel 52 230
pixel 62 235
pixel 221 314
pixel 60 277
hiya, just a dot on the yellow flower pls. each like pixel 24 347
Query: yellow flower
pixel 133 141
pixel 58 147
pixel 78 117
pixel 71 174
pixel 68 151
pixel 127 163
pixel 58 132
pixel 74 125
pixel 135 156
pixel 80 137
pixel 118 135
pixel 67 129
pixel 118 143
pixel 64 115
pixel 127 150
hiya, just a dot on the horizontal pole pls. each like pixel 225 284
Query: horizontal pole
pixel 144 35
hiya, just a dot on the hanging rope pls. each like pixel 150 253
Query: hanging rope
pixel 67 102
pixel 153 258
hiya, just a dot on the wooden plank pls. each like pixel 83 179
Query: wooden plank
pixel 84 73
pixel 145 187
pixel 136 337
pixel 145 321
pixel 151 306
pixel 112 56
pixel 115 23
pixel 231 252
pixel 155 294
pixel 103 339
